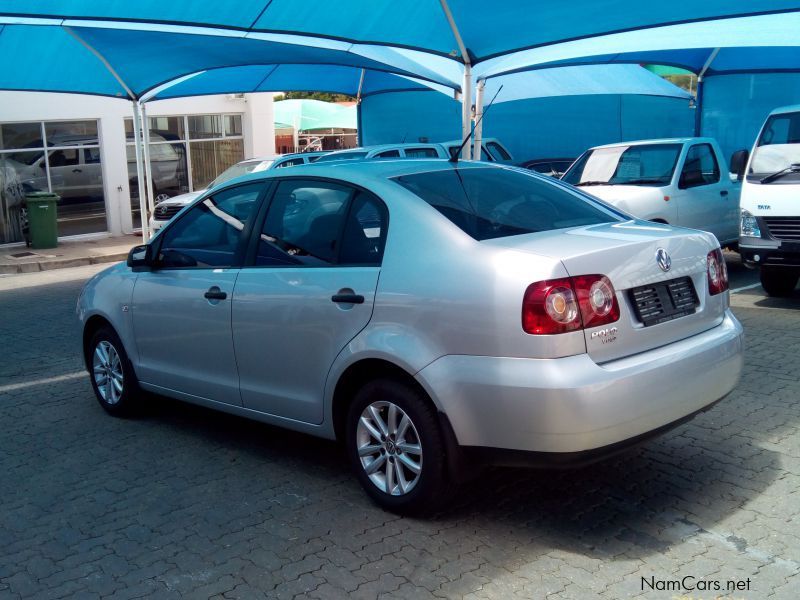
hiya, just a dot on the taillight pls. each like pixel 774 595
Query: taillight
pixel 717 272
pixel 568 304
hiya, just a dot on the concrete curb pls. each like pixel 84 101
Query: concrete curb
pixel 60 263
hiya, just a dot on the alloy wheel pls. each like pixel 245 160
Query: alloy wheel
pixel 389 448
pixel 107 372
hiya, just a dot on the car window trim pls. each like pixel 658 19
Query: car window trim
pixel 249 261
pixel 246 234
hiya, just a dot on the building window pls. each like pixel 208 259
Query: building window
pixel 62 157
pixel 187 152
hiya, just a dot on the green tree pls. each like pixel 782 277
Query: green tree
pixel 322 96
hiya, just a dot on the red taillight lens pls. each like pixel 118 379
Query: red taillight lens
pixel 568 304
pixel 550 307
pixel 597 300
pixel 717 272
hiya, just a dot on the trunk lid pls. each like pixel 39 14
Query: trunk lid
pixel 626 254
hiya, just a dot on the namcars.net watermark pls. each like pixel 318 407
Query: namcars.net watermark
pixel 690 583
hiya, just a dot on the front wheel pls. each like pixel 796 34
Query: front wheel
pixel 396 447
pixel 779 281
pixel 113 379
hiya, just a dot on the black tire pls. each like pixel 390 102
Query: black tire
pixel 128 402
pixel 432 485
pixel 779 281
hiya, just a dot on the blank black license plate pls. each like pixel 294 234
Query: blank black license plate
pixel 664 301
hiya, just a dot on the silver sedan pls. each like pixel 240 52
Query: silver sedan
pixel 434 317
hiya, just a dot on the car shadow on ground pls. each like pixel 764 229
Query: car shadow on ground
pixel 631 506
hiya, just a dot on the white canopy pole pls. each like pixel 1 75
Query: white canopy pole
pixel 479 118
pixel 137 136
pixel 698 116
pixel 466 86
pixel 148 166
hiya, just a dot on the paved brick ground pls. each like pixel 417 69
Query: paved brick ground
pixel 185 502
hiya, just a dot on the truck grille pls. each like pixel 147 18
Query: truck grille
pixel 784 228
pixel 164 213
pixel 664 301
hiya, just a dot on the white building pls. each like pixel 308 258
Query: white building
pixel 90 160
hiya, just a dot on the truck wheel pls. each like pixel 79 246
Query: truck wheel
pixel 396 447
pixel 779 281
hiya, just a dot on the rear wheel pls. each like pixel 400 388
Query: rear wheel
pixel 396 447
pixel 779 281
pixel 113 379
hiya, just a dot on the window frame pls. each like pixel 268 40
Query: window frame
pixel 251 251
pixel 246 234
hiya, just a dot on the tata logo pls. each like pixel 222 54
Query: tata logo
pixel 764 207
pixel 663 260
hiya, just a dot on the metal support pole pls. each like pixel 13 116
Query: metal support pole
pixel 479 118
pixel 698 116
pixel 148 166
pixel 137 136
pixel 466 111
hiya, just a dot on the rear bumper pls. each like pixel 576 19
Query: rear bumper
pixel 573 405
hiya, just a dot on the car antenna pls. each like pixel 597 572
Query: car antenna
pixel 454 155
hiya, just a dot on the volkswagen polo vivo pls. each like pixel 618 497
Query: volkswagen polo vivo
pixel 432 316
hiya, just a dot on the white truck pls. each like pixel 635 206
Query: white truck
pixel 683 181
pixel 770 212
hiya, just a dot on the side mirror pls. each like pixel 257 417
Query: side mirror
pixel 141 258
pixel 739 163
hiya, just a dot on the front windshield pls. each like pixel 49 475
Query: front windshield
pixel 777 148
pixel 239 169
pixel 644 164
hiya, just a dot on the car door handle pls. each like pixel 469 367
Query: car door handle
pixel 215 293
pixel 723 193
pixel 77 171
pixel 348 298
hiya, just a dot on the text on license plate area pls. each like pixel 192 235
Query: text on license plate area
pixel 664 301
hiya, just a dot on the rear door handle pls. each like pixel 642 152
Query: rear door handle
pixel 214 293
pixel 348 298
pixel 77 171
pixel 723 193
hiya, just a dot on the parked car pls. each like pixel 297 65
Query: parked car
pixel 432 316
pixel 682 182
pixel 553 167
pixel 770 218
pixel 168 208
pixel 419 150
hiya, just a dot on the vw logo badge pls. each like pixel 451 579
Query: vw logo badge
pixel 663 259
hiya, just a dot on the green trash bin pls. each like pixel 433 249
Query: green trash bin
pixel 42 219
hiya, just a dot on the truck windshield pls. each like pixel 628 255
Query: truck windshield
pixel 643 164
pixel 778 148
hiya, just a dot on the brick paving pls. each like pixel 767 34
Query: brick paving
pixel 184 502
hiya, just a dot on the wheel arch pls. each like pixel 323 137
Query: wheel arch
pixel 358 374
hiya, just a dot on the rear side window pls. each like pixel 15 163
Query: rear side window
pixel 497 151
pixel 489 203
pixel 421 153
pixel 388 154
pixel 289 163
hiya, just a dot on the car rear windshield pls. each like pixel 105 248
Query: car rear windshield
pixel 490 202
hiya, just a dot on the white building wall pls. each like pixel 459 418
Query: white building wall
pixel 258 130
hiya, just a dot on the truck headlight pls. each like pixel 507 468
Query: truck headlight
pixel 748 226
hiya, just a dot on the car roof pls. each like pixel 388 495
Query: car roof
pixel 682 140
pixel 786 109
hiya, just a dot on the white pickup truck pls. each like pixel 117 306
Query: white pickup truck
pixel 682 181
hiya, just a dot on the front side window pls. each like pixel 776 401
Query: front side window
pixel 700 167
pixel 493 202
pixel 388 154
pixel 497 151
pixel 210 233
pixel 643 164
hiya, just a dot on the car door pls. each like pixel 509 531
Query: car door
pixel 703 200
pixel 308 291
pixel 182 308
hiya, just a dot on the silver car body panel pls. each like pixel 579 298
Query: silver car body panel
pixel 447 310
